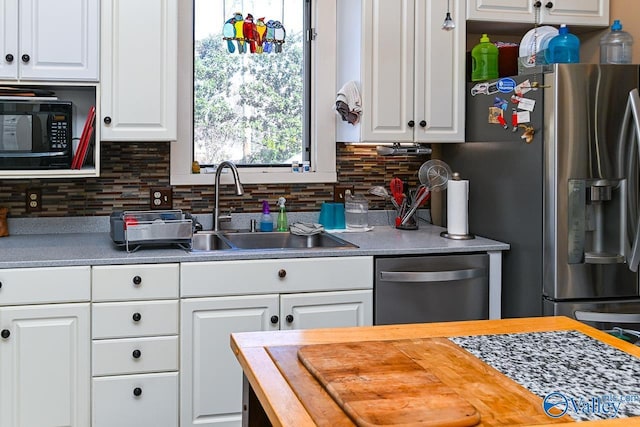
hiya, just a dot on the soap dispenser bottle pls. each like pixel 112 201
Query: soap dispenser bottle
pixel 282 224
pixel 266 221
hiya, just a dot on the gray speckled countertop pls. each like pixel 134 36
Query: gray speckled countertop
pixel 87 242
pixel 590 379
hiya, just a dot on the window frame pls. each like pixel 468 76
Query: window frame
pixel 323 117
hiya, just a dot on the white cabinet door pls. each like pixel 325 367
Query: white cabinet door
pixel 500 10
pixel 412 71
pixel 575 12
pixel 59 40
pixel 439 96
pixel 211 378
pixel 388 72
pixel 45 366
pixel 9 39
pixel 556 12
pixel 326 310
pixel 139 70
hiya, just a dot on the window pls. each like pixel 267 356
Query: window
pixel 228 110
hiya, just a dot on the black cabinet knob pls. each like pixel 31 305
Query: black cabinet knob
pixel 26 58
pixel 107 120
pixel 537 4
pixel 136 317
pixel 423 123
pixel 282 273
pixel 8 57
pixel 289 318
pixel 136 354
pixel 274 319
pixel 0 285
pixel 411 123
pixel 137 280
pixel 5 333
pixel 137 391
pixel 549 5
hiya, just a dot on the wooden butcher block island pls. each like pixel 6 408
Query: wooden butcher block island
pixel 400 375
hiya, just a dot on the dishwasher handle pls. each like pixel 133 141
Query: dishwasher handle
pixel 431 276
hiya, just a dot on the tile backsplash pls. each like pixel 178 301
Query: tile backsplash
pixel 129 170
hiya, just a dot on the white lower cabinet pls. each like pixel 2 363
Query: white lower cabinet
pixel 135 345
pixel 211 378
pixel 45 347
pixel 45 365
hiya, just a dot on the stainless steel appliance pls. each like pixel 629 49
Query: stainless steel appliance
pixel 567 202
pixel 431 288
pixel 35 134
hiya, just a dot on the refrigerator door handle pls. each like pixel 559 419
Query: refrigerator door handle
pixel 596 316
pixel 633 106
pixel 430 276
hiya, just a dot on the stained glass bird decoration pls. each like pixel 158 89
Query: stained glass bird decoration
pixel 249 30
pixel 279 35
pixel 238 24
pixel 229 33
pixel 261 30
pixel 268 45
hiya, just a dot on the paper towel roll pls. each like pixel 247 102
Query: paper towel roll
pixel 458 207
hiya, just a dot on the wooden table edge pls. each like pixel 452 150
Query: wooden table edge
pixel 275 394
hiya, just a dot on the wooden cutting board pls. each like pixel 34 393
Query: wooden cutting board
pixel 499 400
pixel 377 384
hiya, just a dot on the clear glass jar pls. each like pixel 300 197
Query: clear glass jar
pixel 356 209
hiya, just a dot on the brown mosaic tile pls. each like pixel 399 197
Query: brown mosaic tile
pixel 128 170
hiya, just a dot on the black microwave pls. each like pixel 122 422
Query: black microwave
pixel 35 134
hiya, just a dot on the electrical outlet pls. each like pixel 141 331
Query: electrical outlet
pixel 34 200
pixel 161 198
pixel 339 190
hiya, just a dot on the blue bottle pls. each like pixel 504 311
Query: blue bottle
pixel 563 48
pixel 266 220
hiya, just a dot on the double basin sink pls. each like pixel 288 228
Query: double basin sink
pixel 208 241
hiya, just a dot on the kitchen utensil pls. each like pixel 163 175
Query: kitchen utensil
pixel 435 174
pixel 380 191
pixel 396 187
pixel 422 196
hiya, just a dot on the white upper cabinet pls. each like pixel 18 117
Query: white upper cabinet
pixel 139 70
pixel 554 12
pixel 50 40
pixel 410 71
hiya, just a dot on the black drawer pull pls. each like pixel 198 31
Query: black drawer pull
pixel 5 333
pixel 137 280
pixel 289 318
pixel 136 317
pixel 137 391
pixel 274 319
pixel 136 354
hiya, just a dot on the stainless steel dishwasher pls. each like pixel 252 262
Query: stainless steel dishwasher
pixel 433 288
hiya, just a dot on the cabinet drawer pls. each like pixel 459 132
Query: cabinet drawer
pixel 44 285
pixel 135 355
pixel 136 400
pixel 275 276
pixel 134 319
pixel 135 282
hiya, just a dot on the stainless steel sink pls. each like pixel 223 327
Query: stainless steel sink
pixel 211 241
pixel 285 240
pixel 208 241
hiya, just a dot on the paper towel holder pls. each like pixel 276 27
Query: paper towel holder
pixel 456 177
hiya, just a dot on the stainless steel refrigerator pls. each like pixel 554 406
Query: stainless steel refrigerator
pixel 567 202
